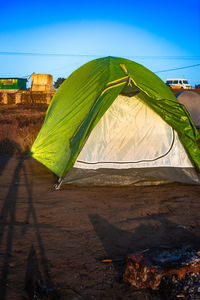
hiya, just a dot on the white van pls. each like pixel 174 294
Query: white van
pixel 178 83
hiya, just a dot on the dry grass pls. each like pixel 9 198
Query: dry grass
pixel 19 126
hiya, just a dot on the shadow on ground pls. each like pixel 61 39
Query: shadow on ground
pixel 162 233
pixel 34 278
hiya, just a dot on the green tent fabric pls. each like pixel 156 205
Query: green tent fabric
pixel 85 96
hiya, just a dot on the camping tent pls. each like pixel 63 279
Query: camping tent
pixel 114 121
pixel 191 100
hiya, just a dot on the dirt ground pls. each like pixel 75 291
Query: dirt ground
pixel 58 238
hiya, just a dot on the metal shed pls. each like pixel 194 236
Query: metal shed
pixel 13 84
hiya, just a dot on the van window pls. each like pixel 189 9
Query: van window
pixel 175 81
pixel 185 81
pixel 180 81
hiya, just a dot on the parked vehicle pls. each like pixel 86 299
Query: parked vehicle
pixel 178 83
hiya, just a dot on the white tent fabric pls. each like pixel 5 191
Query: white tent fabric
pixel 191 100
pixel 132 135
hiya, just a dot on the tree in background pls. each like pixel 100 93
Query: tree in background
pixel 58 82
pixel 197 86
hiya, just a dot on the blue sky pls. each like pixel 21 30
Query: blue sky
pixel 161 35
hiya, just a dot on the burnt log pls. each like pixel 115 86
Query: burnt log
pixel 146 269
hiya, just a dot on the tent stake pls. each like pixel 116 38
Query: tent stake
pixel 58 185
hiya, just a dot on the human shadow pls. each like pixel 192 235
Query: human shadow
pixel 8 148
pixel 8 224
pixel 163 233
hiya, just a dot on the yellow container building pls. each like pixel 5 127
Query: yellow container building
pixel 42 83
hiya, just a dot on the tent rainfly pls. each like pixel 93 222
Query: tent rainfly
pixel 113 121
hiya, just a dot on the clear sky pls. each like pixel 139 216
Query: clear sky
pixel 161 35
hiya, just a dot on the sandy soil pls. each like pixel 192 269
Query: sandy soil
pixel 60 237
